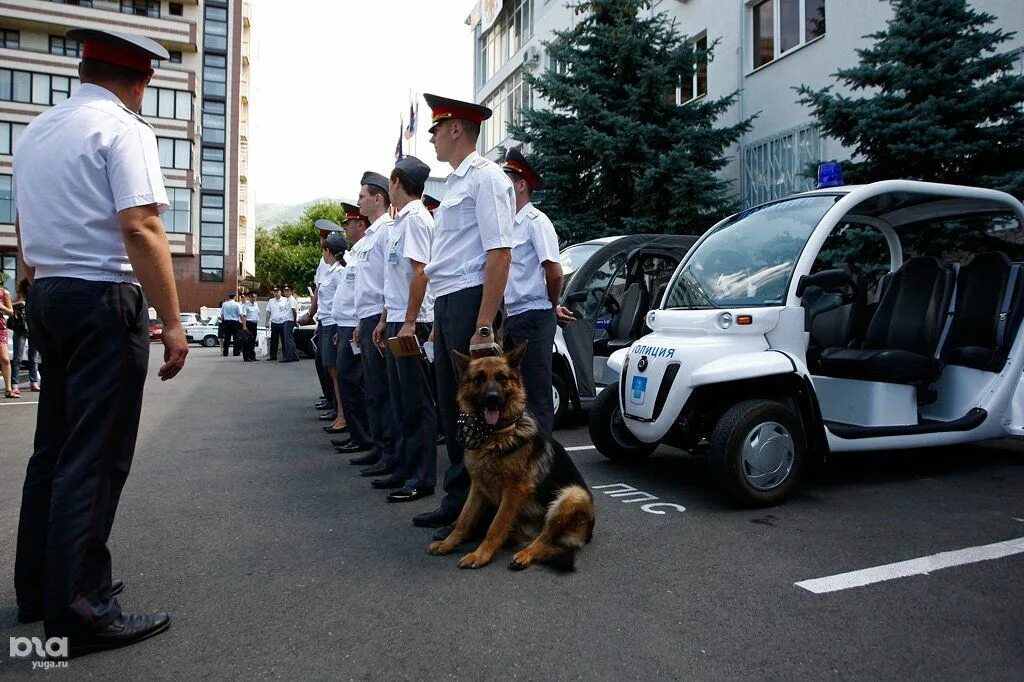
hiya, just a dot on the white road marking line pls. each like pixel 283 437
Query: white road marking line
pixel 9 403
pixel 921 566
pixel 577 448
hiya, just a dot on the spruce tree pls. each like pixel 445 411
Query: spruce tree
pixel 617 153
pixel 940 101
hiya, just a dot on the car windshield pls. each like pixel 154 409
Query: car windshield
pixel 749 260
pixel 574 256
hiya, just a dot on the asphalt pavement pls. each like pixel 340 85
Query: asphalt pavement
pixel 276 559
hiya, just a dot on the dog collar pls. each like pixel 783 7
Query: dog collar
pixel 472 432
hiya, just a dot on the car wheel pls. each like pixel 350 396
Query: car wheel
pixel 756 453
pixel 561 401
pixel 608 429
pixel 210 341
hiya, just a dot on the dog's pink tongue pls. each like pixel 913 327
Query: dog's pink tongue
pixel 491 416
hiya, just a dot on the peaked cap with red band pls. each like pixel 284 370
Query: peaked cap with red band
pixel 444 108
pixel 430 202
pixel 352 212
pixel 123 49
pixel 515 162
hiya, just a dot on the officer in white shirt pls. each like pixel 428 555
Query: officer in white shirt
pixel 334 247
pixel 370 256
pixel 410 313
pixel 468 269
pixel 289 326
pixel 326 227
pixel 534 287
pixel 279 313
pixel 349 365
pixel 231 320
pixel 250 325
pixel 89 194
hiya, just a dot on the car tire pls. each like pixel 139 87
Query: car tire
pixel 210 341
pixel 561 401
pixel 757 453
pixel 608 429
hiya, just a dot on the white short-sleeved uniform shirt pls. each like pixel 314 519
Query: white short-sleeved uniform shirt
pixel 533 243
pixel 474 218
pixel 368 255
pixel 344 307
pixel 80 164
pixel 325 294
pixel 279 310
pixel 408 240
pixel 231 311
pixel 321 272
pixel 251 311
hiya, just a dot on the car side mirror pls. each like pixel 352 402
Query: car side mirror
pixel 576 298
pixel 826 279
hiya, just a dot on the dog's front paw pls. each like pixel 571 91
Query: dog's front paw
pixel 520 561
pixel 475 560
pixel 439 548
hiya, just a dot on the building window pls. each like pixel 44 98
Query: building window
pixel 142 8
pixel 510 31
pixel 9 267
pixel 215 33
pixel 175 57
pixel 213 121
pixel 79 3
pixel 174 153
pixel 10 134
pixel 215 75
pixel 35 88
pixel 211 268
pixel 167 103
pixel 775 167
pixel 697 86
pixel 7 211
pixel 176 9
pixel 782 25
pixel 9 38
pixel 507 102
pixel 178 218
pixel 63 46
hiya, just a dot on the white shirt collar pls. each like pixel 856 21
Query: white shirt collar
pixel 409 207
pixel 522 213
pixel 376 223
pixel 466 163
pixel 334 266
pixel 93 91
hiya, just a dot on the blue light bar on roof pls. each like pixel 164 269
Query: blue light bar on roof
pixel 830 175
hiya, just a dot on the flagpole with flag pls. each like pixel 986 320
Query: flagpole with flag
pixel 398 147
pixel 410 130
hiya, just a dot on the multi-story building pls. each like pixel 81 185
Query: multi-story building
pixel 764 49
pixel 197 102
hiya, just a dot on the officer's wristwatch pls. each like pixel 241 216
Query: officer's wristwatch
pixel 484 332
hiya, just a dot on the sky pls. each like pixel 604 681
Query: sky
pixel 330 79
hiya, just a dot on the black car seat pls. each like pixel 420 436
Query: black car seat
pixel 987 313
pixel 624 327
pixel 903 336
pixel 842 327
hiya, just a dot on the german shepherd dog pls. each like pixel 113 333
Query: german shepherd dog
pixel 526 479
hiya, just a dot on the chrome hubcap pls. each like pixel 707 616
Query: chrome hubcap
pixel 556 398
pixel 768 454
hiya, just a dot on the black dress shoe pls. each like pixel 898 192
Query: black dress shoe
pixel 443 533
pixel 331 429
pixel 379 469
pixel 351 447
pixel 442 516
pixel 340 441
pixel 389 483
pixel 410 494
pixel 26 616
pixel 328 417
pixel 126 629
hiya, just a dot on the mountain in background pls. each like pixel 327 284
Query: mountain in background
pixel 272 215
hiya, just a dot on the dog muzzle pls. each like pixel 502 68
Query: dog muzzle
pixel 472 431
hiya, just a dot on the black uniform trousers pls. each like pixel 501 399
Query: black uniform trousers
pixel 231 329
pixel 249 347
pixel 412 408
pixel 321 373
pixel 454 326
pixel 375 388
pixel 94 340
pixel 350 385
pixel 288 341
pixel 276 339
pixel 537 329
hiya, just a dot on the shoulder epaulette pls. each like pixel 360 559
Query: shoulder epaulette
pixel 137 116
pixel 534 213
pixel 480 162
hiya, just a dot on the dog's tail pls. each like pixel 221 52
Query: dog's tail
pixel 571 520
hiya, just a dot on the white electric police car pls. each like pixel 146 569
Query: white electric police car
pixel 848 318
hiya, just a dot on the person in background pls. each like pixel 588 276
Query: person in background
pixel 290 355
pixel 5 353
pixel 250 325
pixel 534 286
pixel 278 312
pixel 18 325
pixel 334 248
pixel 231 317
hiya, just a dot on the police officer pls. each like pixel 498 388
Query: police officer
pixel 533 290
pixel 280 313
pixel 89 253
pixel 369 254
pixel 250 325
pixel 410 313
pixel 350 367
pixel 326 227
pixel 334 247
pixel 430 203
pixel 468 269
pixel 231 318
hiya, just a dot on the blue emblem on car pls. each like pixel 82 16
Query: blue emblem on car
pixel 639 391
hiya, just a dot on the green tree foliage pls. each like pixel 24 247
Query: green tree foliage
pixel 290 253
pixel 940 102
pixel 617 153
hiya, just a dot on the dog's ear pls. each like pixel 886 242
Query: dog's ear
pixel 461 362
pixel 514 358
